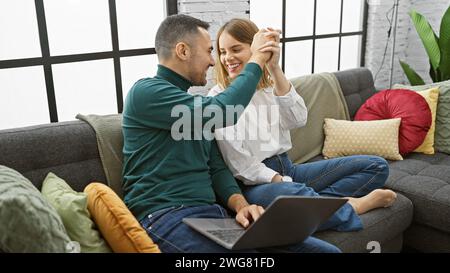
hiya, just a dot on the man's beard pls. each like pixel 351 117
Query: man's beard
pixel 200 82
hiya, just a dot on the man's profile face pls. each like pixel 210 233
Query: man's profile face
pixel 201 58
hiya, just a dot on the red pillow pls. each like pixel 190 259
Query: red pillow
pixel 408 105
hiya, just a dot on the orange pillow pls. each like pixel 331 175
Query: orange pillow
pixel 118 226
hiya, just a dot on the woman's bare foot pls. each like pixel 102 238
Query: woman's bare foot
pixel 376 199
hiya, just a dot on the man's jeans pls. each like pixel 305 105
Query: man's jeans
pixel 166 229
pixel 352 176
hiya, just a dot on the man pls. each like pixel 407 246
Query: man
pixel 165 179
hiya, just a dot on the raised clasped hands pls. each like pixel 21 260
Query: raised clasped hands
pixel 266 45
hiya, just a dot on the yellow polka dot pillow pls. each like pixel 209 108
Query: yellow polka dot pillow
pixel 374 137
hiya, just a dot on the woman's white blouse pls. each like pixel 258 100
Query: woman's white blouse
pixel 262 131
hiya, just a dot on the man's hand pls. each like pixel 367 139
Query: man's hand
pixel 245 213
pixel 249 214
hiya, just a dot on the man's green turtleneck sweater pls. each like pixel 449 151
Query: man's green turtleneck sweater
pixel 161 172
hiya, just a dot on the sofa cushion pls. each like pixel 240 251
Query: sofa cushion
pixel 72 207
pixel 375 137
pixel 357 86
pixel 28 223
pixel 117 224
pixel 415 114
pixel 425 179
pixel 380 225
pixel 431 96
pixel 442 135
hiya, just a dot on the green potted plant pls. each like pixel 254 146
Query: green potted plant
pixel 437 48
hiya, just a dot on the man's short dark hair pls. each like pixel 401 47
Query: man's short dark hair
pixel 173 30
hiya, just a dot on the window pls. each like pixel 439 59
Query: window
pixel 16 91
pixel 137 29
pixel 135 68
pixel 77 26
pixel 63 57
pixel 84 87
pixel 318 35
pixel 19 34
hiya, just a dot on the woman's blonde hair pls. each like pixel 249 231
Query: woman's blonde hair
pixel 243 31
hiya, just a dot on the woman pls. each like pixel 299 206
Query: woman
pixel 260 161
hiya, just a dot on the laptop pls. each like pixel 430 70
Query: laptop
pixel 287 220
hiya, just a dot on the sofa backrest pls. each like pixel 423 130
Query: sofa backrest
pixel 357 86
pixel 68 149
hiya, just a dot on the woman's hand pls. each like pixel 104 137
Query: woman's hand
pixel 281 85
pixel 259 41
pixel 277 178
pixel 272 46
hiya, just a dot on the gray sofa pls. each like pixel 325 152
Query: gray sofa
pixel 423 186
pixel 419 219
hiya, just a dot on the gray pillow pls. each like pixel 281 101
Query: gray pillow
pixel 28 223
pixel 442 132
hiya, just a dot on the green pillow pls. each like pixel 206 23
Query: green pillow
pixel 72 207
pixel 28 223
pixel 442 132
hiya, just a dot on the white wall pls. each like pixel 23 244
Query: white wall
pixel 408 47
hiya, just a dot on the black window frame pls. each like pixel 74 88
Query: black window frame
pixel 47 60
pixel 315 37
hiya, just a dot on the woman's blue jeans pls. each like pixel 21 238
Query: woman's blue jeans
pixel 167 229
pixel 351 176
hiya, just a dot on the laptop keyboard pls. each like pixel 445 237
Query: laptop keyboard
pixel 227 235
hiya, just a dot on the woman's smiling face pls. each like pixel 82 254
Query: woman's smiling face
pixel 234 55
